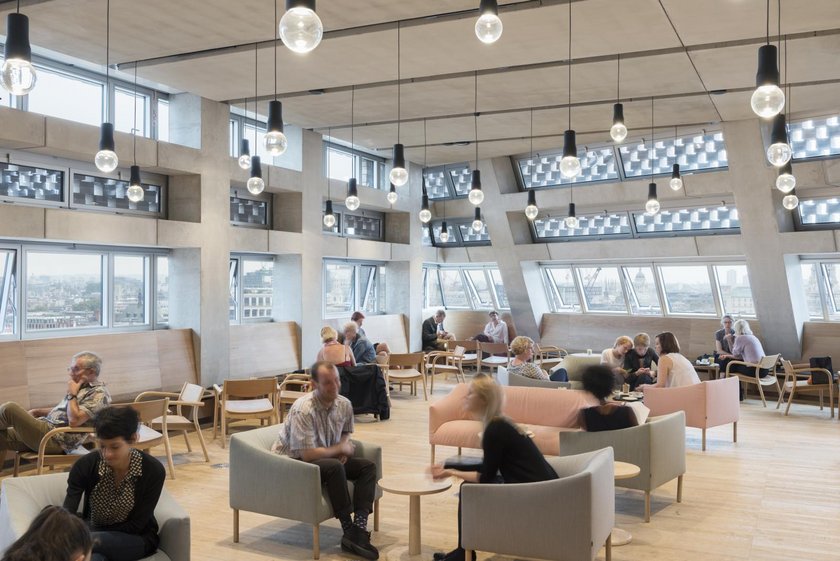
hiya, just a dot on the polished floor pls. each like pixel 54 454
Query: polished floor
pixel 775 495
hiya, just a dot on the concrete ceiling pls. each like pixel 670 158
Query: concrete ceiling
pixel 525 69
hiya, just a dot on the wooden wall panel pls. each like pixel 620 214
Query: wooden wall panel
pixel 822 339
pixel 14 385
pixel 469 323
pixel 387 328
pixel 176 358
pixel 263 349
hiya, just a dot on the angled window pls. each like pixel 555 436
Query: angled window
pixel 460 233
pixel 21 182
pixel 473 286
pixel 735 293
pixel 64 290
pixel 691 221
pixel 8 292
pixel 452 285
pixel 815 138
pixel 368 288
pixel 501 295
pixel 109 193
pixel 641 290
pixel 601 287
pixel 479 288
pixel 562 291
pixel 544 170
pixel 591 227
pixel 362 224
pixel 811 285
pixel 699 152
pixel 831 274
pixel 818 213
pixel 433 298
pixel 448 182
pixel 253 211
pixel 688 289
pixel 233 290
pixel 350 286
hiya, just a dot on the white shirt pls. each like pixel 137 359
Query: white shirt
pixel 682 372
pixel 498 333
pixel 608 358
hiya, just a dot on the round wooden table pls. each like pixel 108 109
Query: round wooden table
pixel 623 470
pixel 415 486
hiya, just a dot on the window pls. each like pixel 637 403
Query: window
pixel 811 285
pixel 477 287
pixel 816 213
pixel 544 170
pixel 233 290
pixel 250 131
pixel 67 97
pixel 340 164
pixel 162 291
pixel 562 291
pixel 699 152
pixel 602 290
pixel 253 211
pixel 351 286
pixel 831 273
pixel 364 224
pixel 460 231
pixel 815 138
pixel 8 296
pixel 452 285
pixel 163 120
pixel 688 290
pixel 735 294
pixel 36 183
pixel 431 286
pixel 125 112
pixel 689 221
pixel 448 182
pixel 343 163
pixel 64 290
pixel 130 290
pixel 109 193
pixel 499 288
pixel 641 290
pixel 596 227
pixel 257 291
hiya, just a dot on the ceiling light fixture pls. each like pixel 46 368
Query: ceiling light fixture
pixel 477 223
pixel 768 99
pixel 618 131
pixel 275 139
pixel 255 183
pixel 399 175
pixel 392 194
pixel 779 151
pixel 652 205
pixel 676 182
pixel 476 195
pixel 300 27
pixel 790 201
pixel 329 215
pixel 488 27
pixel 425 213
pixel 106 159
pixel 570 163
pixel 18 75
pixel 444 228
pixel 786 181
pixel 135 192
pixel 352 201
pixel 571 221
pixel 531 209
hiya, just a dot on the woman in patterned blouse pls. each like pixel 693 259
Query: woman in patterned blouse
pixel 523 352
pixel 121 488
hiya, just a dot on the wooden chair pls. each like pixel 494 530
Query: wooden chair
pixel 796 381
pixel 493 361
pixel 548 356
pixel 258 402
pixel 471 355
pixel 150 411
pixel 407 368
pixel 43 459
pixel 293 387
pixel 446 363
pixel 766 363
pixel 190 396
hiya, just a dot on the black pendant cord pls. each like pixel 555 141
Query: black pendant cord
pixel 779 35
pixel 18 6
pixel 475 115
pixel 618 80
pixel 256 95
pixel 789 88
pixel 352 120
pixel 276 33
pixel 570 65
pixel 768 22
pixel 329 190
pixel 651 156
pixel 134 130
pixel 399 80
pixel 532 138
pixel 107 104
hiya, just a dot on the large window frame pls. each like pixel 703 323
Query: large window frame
pixel 236 277
pixel 365 295
pixel 360 159
pixel 829 300
pixel 431 275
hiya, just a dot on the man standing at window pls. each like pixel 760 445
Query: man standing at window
pixel 434 335
pixel 22 430
pixel 317 430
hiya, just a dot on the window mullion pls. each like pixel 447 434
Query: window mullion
pixel 713 277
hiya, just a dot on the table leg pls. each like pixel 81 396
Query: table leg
pixel 414 525
pixel 620 537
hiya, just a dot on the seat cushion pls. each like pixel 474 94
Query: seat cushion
pixel 463 433
pixel 146 434
pixel 494 360
pixel 546 438
pixel 248 406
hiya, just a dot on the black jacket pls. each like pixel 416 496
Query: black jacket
pixel 365 387
pixel 429 332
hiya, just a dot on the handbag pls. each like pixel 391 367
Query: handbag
pixel 818 378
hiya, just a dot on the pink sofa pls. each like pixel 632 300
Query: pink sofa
pixel 546 412
pixel 707 404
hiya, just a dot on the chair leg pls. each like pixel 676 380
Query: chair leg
pixel 469 554
pixel 735 431
pixel 316 541
pixel 821 400
pixel 17 465
pixel 236 525
pixel 201 441
pixel 433 453
pixel 761 393
pixel 168 454
pixel 187 440
pixel 425 394
pixel 781 397
pixel 679 488
pixel 608 549
pixel 376 515
pixel 215 416
pixel 224 430
pixel 703 445
pixel 647 506
pixel 790 400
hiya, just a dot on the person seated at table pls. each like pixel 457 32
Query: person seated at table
pixel 508 450
pixel 362 348
pixel 496 330
pixel 674 369
pixel 745 348
pixel 121 487
pixel 639 361
pixel 333 351
pixel 723 341
pixel 523 350
pixel 598 380
pixel 380 348
pixel 434 335
pixel 54 535
pixel 614 358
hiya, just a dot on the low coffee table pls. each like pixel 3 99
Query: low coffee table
pixel 623 470
pixel 415 486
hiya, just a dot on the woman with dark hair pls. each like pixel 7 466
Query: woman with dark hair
pixel 598 380
pixel 121 487
pixel 54 535
pixel 674 369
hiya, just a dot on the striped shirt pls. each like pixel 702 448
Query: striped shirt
pixel 311 425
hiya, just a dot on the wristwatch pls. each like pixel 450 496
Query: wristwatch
pixel 70 396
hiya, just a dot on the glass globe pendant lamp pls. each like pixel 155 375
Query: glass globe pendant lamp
pixel 768 99
pixel 106 159
pixel 352 201
pixel 652 205
pixel 790 201
pixel 17 75
pixel 779 151
pixel 135 187
pixel 676 182
pixel 392 194
pixel 399 175
pixel 444 232
pixel 244 154
pixel 477 223
pixel 255 184
pixel 275 140
pixel 618 131
pixel 488 27
pixel 571 220
pixel 476 195
pixel 300 27
pixel 785 181
pixel 570 163
pixel 531 210
pixel 329 215
pixel 425 213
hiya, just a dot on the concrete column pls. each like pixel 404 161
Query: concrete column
pixel 312 276
pixel 185 120
pixel 772 274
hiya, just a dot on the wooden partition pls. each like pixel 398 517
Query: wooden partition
pixel 821 339
pixel 387 328
pixel 578 332
pixel 469 323
pixel 264 349
pixel 36 370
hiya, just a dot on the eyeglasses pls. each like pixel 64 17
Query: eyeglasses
pixel 74 368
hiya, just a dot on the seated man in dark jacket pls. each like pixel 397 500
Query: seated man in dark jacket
pixel 362 348
pixel 434 335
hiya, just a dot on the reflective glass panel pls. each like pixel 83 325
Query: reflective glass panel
pixel 602 289
pixel 8 301
pixel 163 120
pixel 819 211
pixel 832 279
pixel 699 152
pixel 564 295
pixel 368 289
pixel 644 299
pixel 162 288
pixel 735 293
pixel 130 282
pixel 688 289
pixel 454 293
pixel 63 290
pixel 66 97
pixel 501 295
pixel 257 289
pixel 480 291
pixel 433 298
pixel 815 138
pixel 544 170
pixel 125 112
pixel 338 288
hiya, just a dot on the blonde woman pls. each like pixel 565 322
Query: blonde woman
pixel 523 350
pixel 507 450
pixel 333 351
pixel 614 358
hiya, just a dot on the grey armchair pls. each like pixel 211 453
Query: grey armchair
pixel 566 519
pixel 517 380
pixel 657 447
pixel 267 483
pixel 23 498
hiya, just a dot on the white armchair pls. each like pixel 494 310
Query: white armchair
pixel 268 483
pixel 565 519
pixel 21 499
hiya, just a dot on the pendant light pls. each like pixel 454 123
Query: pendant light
pixel 768 99
pixel 618 131
pixel 489 26
pixel 392 194
pixel 135 192
pixel 106 159
pixel 399 175
pixel 676 182
pixel 790 201
pixel 786 181
pixel 255 184
pixel 352 201
pixel 18 75
pixel 300 27
pixel 425 213
pixel 444 228
pixel 570 163
pixel 779 151
pixel 329 215
pixel 476 195
pixel 531 209
pixel 275 139
pixel 571 220
pixel 652 205
pixel 477 223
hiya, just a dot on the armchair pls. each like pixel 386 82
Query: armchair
pixel 657 447
pixel 801 378
pixel 565 519
pixel 445 362
pixel 22 499
pixel 43 459
pixel 517 380
pixel 766 363
pixel 268 483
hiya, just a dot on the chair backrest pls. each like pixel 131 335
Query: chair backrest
pixel 518 380
pixel 769 362
pixel 469 346
pixel 250 388
pixel 823 371
pixel 382 360
pixel 494 348
pixel 459 351
pixel 148 410
pixel 410 360
pixel 191 392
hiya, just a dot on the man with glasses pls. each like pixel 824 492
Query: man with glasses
pixel 724 336
pixel 22 430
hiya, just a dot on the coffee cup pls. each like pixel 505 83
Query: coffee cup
pixel 589 352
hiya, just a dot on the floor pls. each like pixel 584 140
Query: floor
pixel 775 495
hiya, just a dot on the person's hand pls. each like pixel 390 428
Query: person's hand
pixel 437 471
pixel 342 459
pixel 74 387
pixel 347 449
pixel 643 371
pixel 34 412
